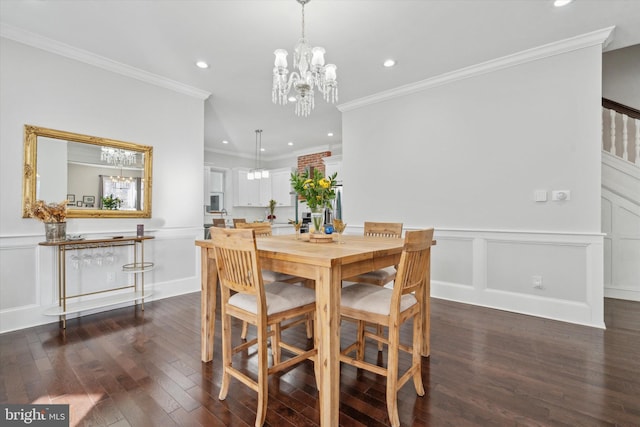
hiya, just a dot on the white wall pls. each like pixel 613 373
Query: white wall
pixel 621 76
pixel 53 91
pixel 465 154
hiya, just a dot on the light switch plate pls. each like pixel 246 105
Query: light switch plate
pixel 540 195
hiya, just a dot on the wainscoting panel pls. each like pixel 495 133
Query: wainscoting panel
pixel 621 223
pixel 552 275
pixel 533 269
pixel 455 261
pixel 18 277
pixel 28 284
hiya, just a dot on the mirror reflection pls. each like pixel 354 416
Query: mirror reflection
pixel 99 177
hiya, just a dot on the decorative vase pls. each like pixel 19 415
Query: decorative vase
pixel 55 231
pixel 317 219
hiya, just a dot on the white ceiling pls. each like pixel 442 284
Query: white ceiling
pixel 237 38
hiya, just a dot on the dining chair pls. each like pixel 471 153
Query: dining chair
pixel 385 275
pixel 219 222
pixel 366 303
pixel 237 221
pixel 264 229
pixel 265 305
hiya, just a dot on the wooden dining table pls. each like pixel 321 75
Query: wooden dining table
pixel 327 264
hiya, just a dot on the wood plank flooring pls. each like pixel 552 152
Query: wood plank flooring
pixel 488 367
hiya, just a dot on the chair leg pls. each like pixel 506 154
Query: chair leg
pixel 245 329
pixel 263 392
pixel 392 377
pixel 226 356
pixel 380 332
pixel 416 358
pixel 316 343
pixel 309 324
pixel 311 284
pixel 360 339
pixel 275 344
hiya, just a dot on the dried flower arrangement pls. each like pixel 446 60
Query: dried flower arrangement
pixel 48 212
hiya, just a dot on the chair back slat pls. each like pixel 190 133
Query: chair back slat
pixel 219 222
pixel 383 229
pixel 237 260
pixel 414 262
pixel 262 229
pixel 237 221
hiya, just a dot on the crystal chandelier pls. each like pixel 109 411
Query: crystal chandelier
pixel 258 173
pixel 118 156
pixel 311 72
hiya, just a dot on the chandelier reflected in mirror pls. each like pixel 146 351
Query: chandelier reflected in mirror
pixel 310 72
pixel 118 156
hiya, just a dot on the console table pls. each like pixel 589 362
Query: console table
pixel 137 268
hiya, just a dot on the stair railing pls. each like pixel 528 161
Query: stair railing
pixel 618 122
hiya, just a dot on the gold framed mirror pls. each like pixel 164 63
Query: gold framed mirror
pixel 100 177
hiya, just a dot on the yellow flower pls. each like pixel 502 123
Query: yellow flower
pixel 316 189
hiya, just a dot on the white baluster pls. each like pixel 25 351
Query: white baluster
pixel 638 142
pixel 612 114
pixel 625 138
pixel 604 111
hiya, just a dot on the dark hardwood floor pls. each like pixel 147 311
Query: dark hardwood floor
pixel 487 368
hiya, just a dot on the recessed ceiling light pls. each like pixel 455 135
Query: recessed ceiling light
pixel 389 63
pixel 560 3
pixel 225 142
pixel 292 99
pixel 202 64
pixel 262 149
pixel 330 134
pixel 289 143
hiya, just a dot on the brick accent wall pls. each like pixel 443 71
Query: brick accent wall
pixel 313 161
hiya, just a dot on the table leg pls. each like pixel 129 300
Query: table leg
pixel 328 285
pixel 426 312
pixel 209 283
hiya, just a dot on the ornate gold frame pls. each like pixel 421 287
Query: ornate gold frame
pixel 31 134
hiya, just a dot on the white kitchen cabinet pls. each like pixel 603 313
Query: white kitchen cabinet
pixel 265 190
pixel 245 192
pixel 205 187
pixel 258 192
pixel 281 187
pixel 216 181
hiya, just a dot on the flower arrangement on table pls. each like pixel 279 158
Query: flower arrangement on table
pixel 317 190
pixel 272 208
pixel 54 217
pixel 48 212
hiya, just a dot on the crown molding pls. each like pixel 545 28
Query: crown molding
pixel 600 37
pixel 68 51
pixel 337 148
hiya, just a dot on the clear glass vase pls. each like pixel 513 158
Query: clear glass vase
pixel 317 220
pixel 55 231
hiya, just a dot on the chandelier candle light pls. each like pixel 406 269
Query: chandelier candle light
pixel 118 156
pixel 311 73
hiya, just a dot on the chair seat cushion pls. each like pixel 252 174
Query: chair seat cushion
pixel 269 276
pixel 374 299
pixel 280 297
pixel 383 275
